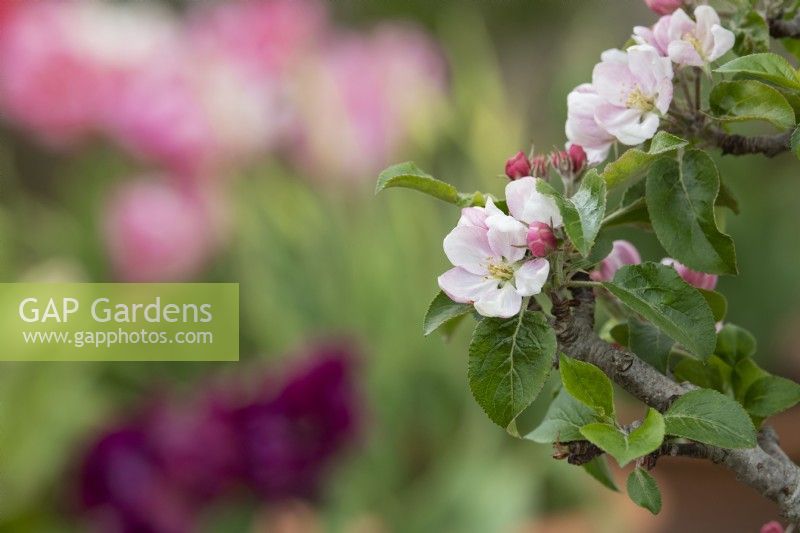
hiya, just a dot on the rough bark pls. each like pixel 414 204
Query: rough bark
pixel 768 145
pixel 780 28
pixel 765 468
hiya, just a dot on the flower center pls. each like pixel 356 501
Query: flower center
pixel 692 39
pixel 501 271
pixel 637 100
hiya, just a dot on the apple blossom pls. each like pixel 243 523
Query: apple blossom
pixel 698 42
pixel 636 88
pixel 487 249
pixel 518 166
pixel 582 128
pixel 541 240
pixel 663 7
pixel 657 36
pixel 539 166
pixel 772 527
pixel 701 280
pixel 528 205
pixel 622 253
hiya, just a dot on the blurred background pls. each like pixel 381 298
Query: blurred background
pixel 240 141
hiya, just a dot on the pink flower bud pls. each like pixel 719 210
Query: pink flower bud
pixel 157 231
pixel 772 527
pixel 622 253
pixel 664 7
pixel 518 166
pixel 701 280
pixel 539 166
pixel 577 157
pixel 541 240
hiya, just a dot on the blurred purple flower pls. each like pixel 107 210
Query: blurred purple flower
pixel 287 440
pixel 157 473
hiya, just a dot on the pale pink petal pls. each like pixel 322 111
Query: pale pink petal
pixel 613 55
pixel 507 237
pixel 531 277
pixel 706 18
pixel 464 287
pixel 646 66
pixel 723 42
pixel 473 217
pixel 468 247
pixel 613 81
pixel 503 303
pixel 679 25
pixel 492 209
pixel 683 53
pixel 529 205
pixel 628 125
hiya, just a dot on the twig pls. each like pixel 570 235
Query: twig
pixel 770 473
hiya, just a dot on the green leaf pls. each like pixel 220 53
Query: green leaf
pixel 768 67
pixel 650 343
pixel 448 329
pixel 583 213
pixel 771 395
pixel 657 293
pixel 706 374
pixel 509 361
pixel 742 100
pixel 635 162
pixel 725 198
pixel 442 310
pixel 589 385
pixel 745 373
pixel 598 469
pixel 717 302
pixel 680 200
pixel 409 176
pixel 643 490
pixel 734 343
pixel 625 447
pixel 563 420
pixel 708 416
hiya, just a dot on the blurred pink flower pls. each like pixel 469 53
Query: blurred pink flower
pixel 701 280
pixel 61 63
pixel 622 253
pixel 156 230
pixel 772 527
pixel 370 94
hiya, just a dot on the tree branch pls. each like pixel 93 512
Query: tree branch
pixel 768 145
pixel 779 28
pixel 763 468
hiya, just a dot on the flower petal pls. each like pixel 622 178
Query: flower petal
pixel 683 53
pixel 723 42
pixel 465 287
pixel 529 205
pixel 628 125
pixel 507 237
pixel 468 247
pixel 504 302
pixel 531 277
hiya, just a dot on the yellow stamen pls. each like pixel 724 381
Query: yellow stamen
pixel 501 271
pixel 637 100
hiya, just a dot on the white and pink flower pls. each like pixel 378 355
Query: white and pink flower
pixel 489 251
pixel 657 36
pixel 582 128
pixel 636 89
pixel 698 42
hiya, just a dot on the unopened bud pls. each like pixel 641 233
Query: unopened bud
pixel 541 240
pixel 539 166
pixel 664 7
pixel 518 166
pixel 577 158
pixel 701 280
pixel 772 527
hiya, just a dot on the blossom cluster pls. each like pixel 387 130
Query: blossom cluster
pixel 500 259
pixel 194 98
pixel 632 89
pixel 157 471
